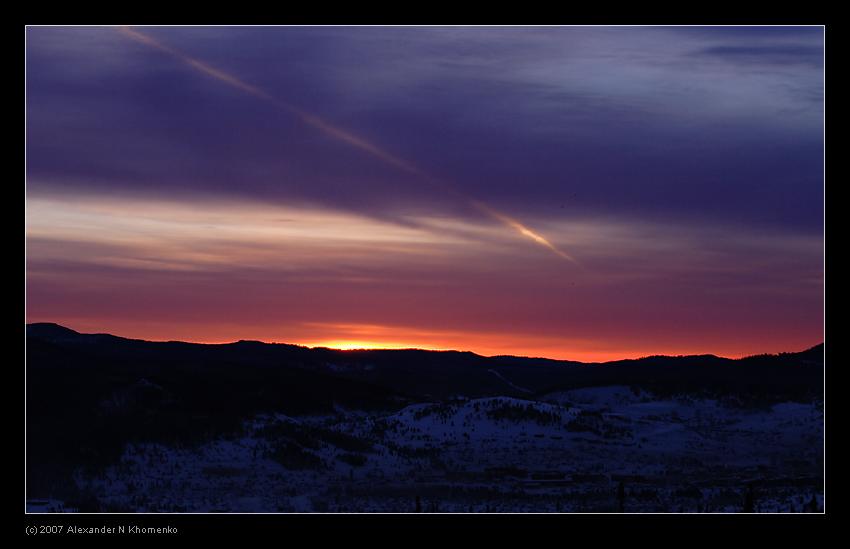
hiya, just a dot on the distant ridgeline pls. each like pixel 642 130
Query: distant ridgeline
pixel 90 394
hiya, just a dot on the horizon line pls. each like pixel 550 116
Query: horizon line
pixel 435 350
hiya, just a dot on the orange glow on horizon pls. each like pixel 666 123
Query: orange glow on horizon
pixel 353 345
pixel 484 344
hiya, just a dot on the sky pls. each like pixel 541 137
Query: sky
pixel 585 193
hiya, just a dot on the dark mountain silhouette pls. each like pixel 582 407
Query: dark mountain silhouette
pixel 90 394
pixel 51 332
pixel 439 374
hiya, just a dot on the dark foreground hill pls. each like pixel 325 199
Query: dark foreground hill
pixel 88 395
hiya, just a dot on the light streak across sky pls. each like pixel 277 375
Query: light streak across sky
pixel 299 206
pixel 342 135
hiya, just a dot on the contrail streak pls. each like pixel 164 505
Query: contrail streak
pixel 521 229
pixel 336 133
pixel 195 64
pixel 305 117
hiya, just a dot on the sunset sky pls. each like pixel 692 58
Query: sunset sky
pixel 586 193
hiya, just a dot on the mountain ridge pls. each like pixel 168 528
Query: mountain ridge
pixel 51 331
pixel 90 395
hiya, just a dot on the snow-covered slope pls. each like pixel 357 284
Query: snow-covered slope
pixel 568 451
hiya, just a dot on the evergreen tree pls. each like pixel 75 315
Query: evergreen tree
pixel 749 500
pixel 813 505
pixel 621 496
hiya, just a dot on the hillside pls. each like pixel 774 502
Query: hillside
pixel 100 403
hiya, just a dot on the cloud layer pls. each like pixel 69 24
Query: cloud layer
pixel 681 167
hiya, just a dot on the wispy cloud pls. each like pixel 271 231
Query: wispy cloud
pixel 221 180
pixel 524 119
